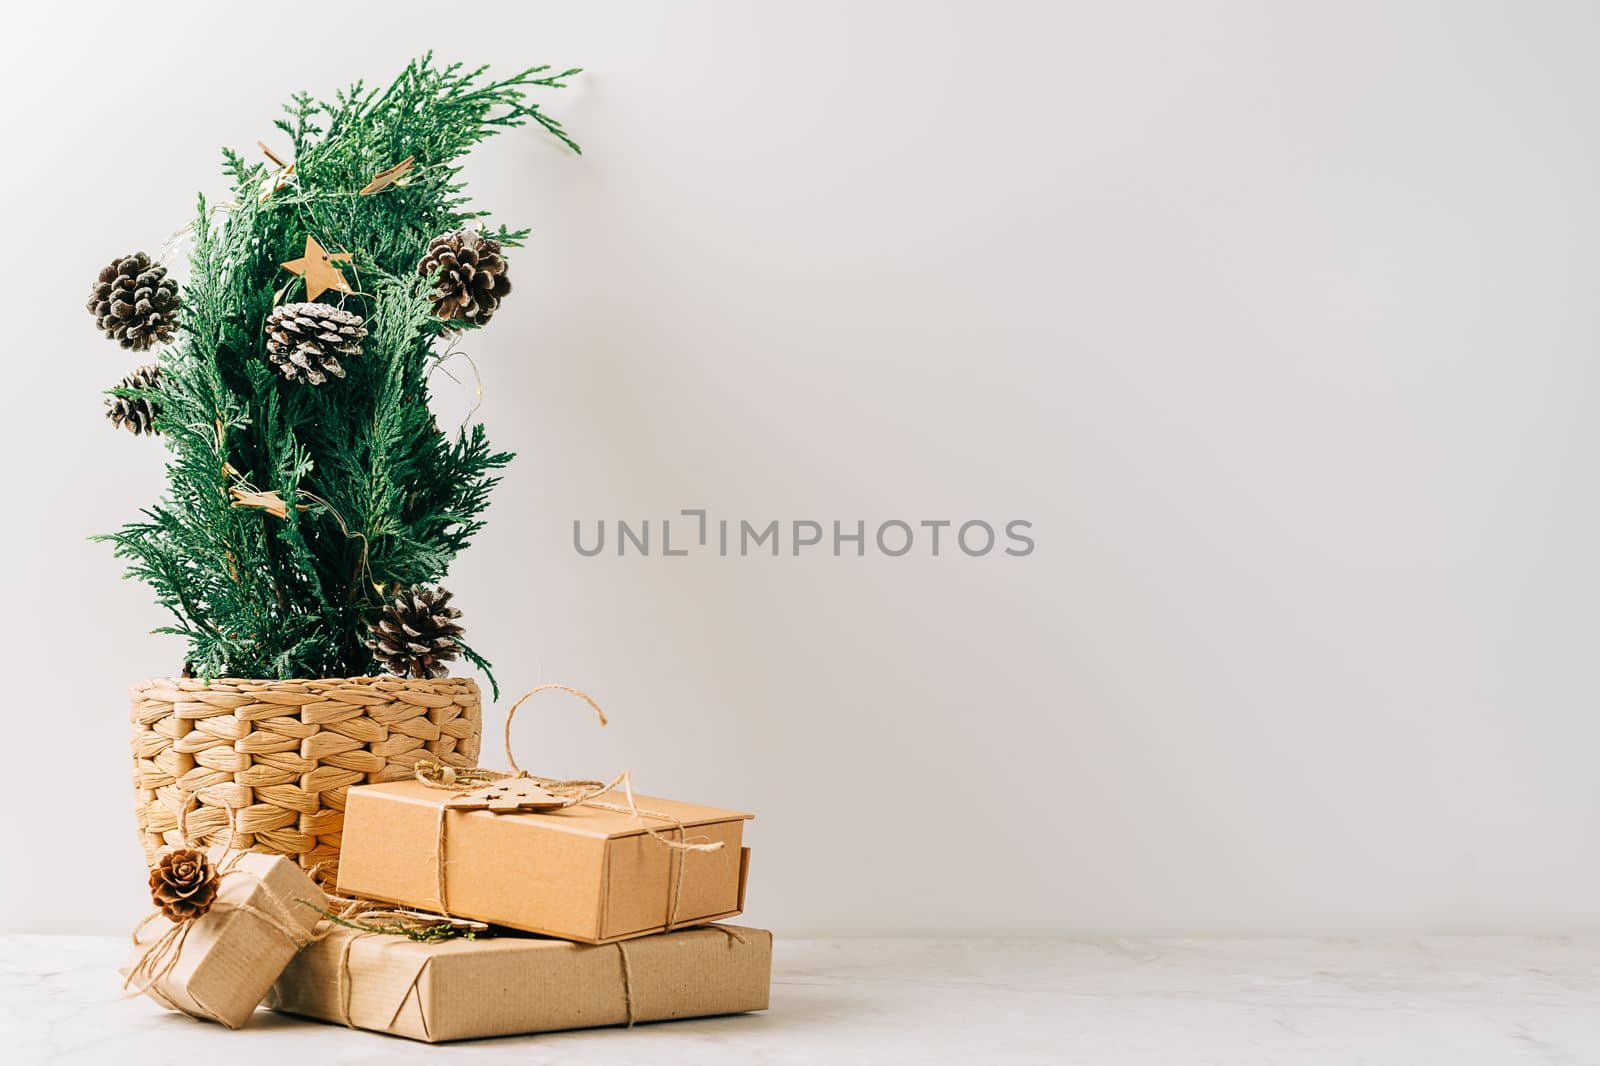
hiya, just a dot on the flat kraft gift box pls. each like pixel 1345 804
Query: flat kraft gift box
pixel 227 959
pixel 586 873
pixel 459 989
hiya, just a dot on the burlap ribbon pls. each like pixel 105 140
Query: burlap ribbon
pixel 574 793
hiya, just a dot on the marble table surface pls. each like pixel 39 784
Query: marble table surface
pixel 1416 1002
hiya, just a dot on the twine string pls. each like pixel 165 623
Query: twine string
pixel 344 983
pixel 511 714
pixel 627 982
pixel 442 858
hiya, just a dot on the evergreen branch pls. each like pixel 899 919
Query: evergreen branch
pixel 377 495
pixel 482 664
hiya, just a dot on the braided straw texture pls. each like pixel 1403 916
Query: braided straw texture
pixel 264 765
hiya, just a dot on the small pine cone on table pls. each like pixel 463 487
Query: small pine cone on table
pixel 134 302
pixel 183 884
pixel 136 414
pixel 417 633
pixel 305 341
pixel 472 275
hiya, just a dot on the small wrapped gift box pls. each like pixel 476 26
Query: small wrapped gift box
pixel 221 965
pixel 590 872
pixel 459 989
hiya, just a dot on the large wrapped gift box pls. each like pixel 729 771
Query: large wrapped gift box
pixel 266 908
pixel 586 873
pixel 459 989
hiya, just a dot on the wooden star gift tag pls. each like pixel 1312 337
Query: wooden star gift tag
pixel 318 269
pixel 507 797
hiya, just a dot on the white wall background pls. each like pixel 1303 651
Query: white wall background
pixel 1277 320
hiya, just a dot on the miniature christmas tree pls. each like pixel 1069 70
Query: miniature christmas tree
pixel 309 485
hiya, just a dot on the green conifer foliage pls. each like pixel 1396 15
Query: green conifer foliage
pixel 375 495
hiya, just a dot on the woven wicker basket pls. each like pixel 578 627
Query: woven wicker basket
pixel 264 765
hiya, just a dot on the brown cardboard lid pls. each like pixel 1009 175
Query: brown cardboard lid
pixel 583 819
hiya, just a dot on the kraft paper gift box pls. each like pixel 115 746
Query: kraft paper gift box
pixel 459 989
pixel 229 957
pixel 582 873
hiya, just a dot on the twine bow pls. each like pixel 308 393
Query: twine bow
pixel 572 793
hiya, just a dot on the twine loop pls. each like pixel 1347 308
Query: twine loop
pixel 573 793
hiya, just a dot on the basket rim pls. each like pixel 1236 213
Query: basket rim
pixel 386 680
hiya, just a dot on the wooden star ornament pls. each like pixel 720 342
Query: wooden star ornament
pixel 385 178
pixel 318 269
pixel 508 797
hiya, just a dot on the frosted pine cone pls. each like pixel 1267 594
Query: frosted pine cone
pixel 136 414
pixel 305 341
pixel 472 275
pixel 134 302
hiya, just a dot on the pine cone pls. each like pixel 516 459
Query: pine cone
pixel 183 884
pixel 136 414
pixel 134 302
pixel 472 275
pixel 305 340
pixel 417 633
